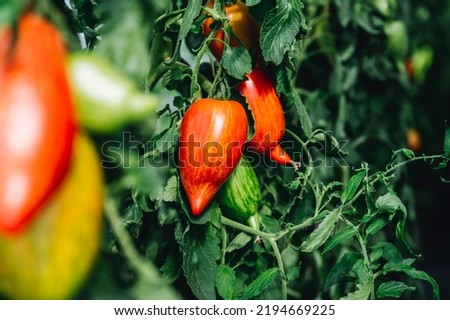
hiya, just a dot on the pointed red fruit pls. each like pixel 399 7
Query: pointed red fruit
pixel 268 115
pixel 212 138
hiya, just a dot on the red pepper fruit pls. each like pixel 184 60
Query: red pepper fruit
pixel 54 255
pixel 244 27
pixel 212 138
pixel 280 156
pixel 36 119
pixel 268 115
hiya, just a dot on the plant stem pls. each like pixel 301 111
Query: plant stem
pixel 240 226
pixel 277 253
pixel 217 78
pixel 375 178
pixel 362 244
pixel 224 244
pixel 304 92
pixel 272 238
pixel 205 84
pixel 297 138
pixel 195 72
pixel 307 223
pixel 424 158
pixel 294 294
pixel 345 174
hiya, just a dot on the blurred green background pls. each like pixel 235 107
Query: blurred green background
pixel 432 109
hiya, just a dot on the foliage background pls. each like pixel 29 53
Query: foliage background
pixel 389 106
pixel 432 105
pixel 378 113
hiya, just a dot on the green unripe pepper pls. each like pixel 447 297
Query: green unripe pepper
pixel 106 99
pixel 422 60
pixel 240 195
pixel 397 39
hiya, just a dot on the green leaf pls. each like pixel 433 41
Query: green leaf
pixel 421 275
pixel 273 292
pixel 225 279
pixel 211 214
pixel 142 199
pixel 362 272
pixel 179 231
pixel 175 79
pixel 166 213
pixel 321 215
pixel 171 268
pixel 398 266
pixel 171 189
pixel 366 21
pixel 291 98
pixel 339 237
pixel 333 147
pixel 391 203
pixel 149 183
pixel 407 153
pixel 238 242
pixel 352 186
pixel 447 142
pixel 392 289
pixel 279 29
pixel 305 121
pixel 201 251
pixel 237 62
pixel 377 225
pixel 10 11
pixel 269 223
pixel 388 251
pixel 293 273
pixel 340 269
pixel 290 256
pixel 368 195
pixel 350 78
pixel 376 254
pixel 405 267
pixel 124 36
pixel 168 139
pixel 132 220
pixel 362 292
pixel 260 283
pixel 192 11
pixel 400 233
pixel 322 233
pixel 364 282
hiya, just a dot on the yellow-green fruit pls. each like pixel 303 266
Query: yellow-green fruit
pixel 51 258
